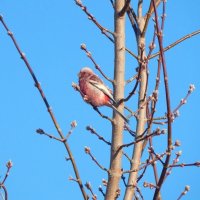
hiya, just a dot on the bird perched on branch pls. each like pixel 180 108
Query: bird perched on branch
pixel 95 92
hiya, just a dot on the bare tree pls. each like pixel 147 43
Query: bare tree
pixel 144 157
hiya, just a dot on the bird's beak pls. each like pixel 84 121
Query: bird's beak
pixel 78 75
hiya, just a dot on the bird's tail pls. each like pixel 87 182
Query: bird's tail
pixel 115 109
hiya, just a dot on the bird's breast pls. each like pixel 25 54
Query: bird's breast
pixel 94 96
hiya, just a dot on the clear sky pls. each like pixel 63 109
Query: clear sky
pixel 50 34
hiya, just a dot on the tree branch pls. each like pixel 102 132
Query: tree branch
pixel 169 126
pixel 38 86
pixel 176 42
pixel 102 29
pixel 125 8
pixel 148 15
pixel 141 121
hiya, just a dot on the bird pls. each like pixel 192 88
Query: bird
pixel 95 92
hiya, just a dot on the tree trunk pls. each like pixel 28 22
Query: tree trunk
pixel 118 123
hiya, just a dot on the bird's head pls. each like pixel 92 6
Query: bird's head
pixel 85 72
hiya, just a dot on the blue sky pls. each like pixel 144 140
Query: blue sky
pixel 50 34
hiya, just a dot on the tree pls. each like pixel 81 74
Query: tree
pixel 148 118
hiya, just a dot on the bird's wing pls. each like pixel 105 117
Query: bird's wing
pixel 103 88
pixel 95 78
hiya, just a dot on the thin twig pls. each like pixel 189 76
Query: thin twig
pixel 129 110
pixel 101 190
pixel 42 132
pixel 157 132
pixel 124 180
pixel 88 151
pixel 131 79
pixel 148 162
pixel 195 164
pixel 92 130
pixel 89 187
pixel 89 54
pixel 176 160
pixel 112 3
pixel 127 128
pixel 175 112
pixel 153 108
pixel 143 172
pixel 141 106
pixel 185 191
pixel 133 20
pixel 103 116
pixel 5 192
pixel 139 192
pixel 138 77
pixel 9 165
pixel 150 185
pixel 151 150
pixel 184 100
pixel 103 30
pixel 73 126
pixel 131 53
pixel 73 179
pixel 155 170
pixel 2 196
pixel 126 155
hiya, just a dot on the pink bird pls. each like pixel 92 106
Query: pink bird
pixel 95 92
